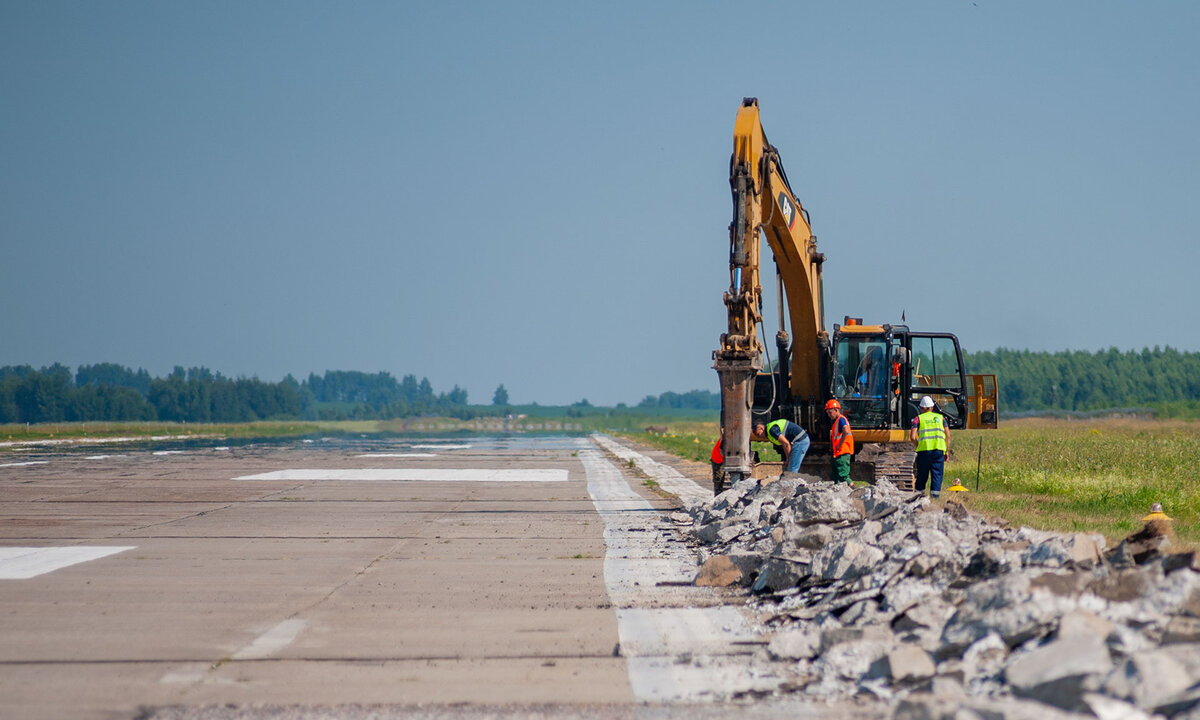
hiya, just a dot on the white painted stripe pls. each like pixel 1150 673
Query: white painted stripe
pixel 648 632
pixel 416 475
pixel 440 447
pixel 22 563
pixel 672 653
pixel 272 641
pixel 20 464
pixel 404 455
pixel 167 452
pixel 668 478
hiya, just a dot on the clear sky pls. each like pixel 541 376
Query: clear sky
pixel 536 193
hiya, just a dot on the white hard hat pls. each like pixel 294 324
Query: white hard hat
pixel 926 402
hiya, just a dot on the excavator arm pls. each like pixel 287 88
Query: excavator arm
pixel 765 206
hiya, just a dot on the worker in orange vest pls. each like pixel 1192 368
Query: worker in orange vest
pixel 841 442
pixel 718 477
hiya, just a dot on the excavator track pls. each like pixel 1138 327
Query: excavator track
pixel 894 461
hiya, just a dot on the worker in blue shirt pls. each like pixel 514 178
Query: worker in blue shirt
pixel 788 438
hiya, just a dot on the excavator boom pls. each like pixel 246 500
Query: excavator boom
pixel 765 206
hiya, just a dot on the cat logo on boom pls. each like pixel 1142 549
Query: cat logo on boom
pixel 789 210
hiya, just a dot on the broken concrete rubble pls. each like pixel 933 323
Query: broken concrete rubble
pixel 877 591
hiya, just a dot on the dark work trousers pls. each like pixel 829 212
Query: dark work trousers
pixel 930 462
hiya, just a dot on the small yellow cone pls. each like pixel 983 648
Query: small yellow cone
pixel 957 486
pixel 1156 513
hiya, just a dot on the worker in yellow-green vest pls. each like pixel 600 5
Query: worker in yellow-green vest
pixel 789 439
pixel 932 438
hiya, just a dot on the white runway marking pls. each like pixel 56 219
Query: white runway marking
pixel 22 563
pixel 673 653
pixel 404 455
pixel 415 475
pixel 440 447
pixel 668 478
pixel 19 464
pixel 272 641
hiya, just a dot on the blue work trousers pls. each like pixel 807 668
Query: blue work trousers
pixel 799 450
pixel 930 463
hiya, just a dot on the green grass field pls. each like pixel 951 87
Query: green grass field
pixel 1095 476
pixel 1099 475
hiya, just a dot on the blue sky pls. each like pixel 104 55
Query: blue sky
pixel 536 194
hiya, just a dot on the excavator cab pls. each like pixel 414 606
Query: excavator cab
pixel 863 378
pixel 880 373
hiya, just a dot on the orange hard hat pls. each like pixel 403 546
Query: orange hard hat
pixel 833 405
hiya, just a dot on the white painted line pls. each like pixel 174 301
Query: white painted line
pixel 272 641
pixel 689 492
pixel 167 452
pixel 404 455
pixel 21 464
pixel 98 457
pixel 22 563
pixel 415 475
pixel 669 631
pixel 672 653
pixel 440 447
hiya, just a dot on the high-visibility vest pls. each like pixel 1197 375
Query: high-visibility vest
pixel 841 444
pixel 931 432
pixel 782 424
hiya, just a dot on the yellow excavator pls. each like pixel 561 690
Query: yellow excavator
pixel 878 373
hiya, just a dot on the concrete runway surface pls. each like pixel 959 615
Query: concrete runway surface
pixel 482 577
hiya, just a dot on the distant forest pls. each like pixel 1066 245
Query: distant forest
pixel 1078 381
pixel 115 393
pixel 1165 379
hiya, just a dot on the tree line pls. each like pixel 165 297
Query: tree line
pixel 111 392
pixel 1073 381
pixel 1080 381
pixel 691 400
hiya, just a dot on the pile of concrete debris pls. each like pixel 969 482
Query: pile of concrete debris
pixel 877 592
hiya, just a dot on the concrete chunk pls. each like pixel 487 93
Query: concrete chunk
pixel 825 507
pixel 718 571
pixel 846 561
pixel 1182 629
pixel 799 644
pixel 1060 672
pixel 908 664
pixel 1081 623
pixel 1147 679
